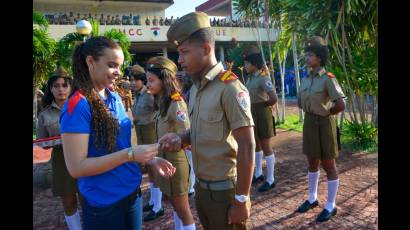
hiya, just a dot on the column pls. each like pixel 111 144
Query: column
pixel 221 54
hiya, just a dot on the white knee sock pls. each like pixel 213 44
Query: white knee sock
pixel 258 163
pixel 190 227
pixel 177 222
pixel 151 193
pixel 73 222
pixel 270 168
pixel 332 187
pixel 191 173
pixel 157 199
pixel 313 180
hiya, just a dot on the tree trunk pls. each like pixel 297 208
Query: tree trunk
pixel 35 107
pixel 282 77
pixel 272 77
pixel 341 120
pixel 375 112
pixel 296 67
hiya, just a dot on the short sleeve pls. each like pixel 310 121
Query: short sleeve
pixel 266 84
pixel 237 106
pixel 333 89
pixel 41 129
pixel 180 116
pixel 78 120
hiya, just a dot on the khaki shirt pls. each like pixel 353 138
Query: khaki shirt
pixel 175 121
pixel 143 109
pixel 318 92
pixel 48 124
pixel 215 109
pixel 259 86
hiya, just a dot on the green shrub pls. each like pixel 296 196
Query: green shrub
pixel 360 137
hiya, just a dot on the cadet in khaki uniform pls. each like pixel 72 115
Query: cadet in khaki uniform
pixel 143 111
pixel 172 116
pixel 263 96
pixel 320 98
pixel 63 185
pixel 221 133
pixel 143 108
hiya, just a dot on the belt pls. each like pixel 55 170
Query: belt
pixel 216 185
pixel 316 115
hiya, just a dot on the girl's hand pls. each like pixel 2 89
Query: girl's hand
pixel 162 167
pixel 145 153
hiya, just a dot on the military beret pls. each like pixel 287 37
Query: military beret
pixel 137 69
pixel 60 72
pixel 188 24
pixel 249 50
pixel 315 41
pixel 161 62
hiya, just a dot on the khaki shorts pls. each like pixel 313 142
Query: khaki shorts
pixel 63 183
pixel 319 137
pixel 179 183
pixel 262 117
pixel 146 134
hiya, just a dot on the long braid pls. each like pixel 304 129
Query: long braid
pixel 104 125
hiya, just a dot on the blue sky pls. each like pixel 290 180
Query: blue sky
pixel 182 7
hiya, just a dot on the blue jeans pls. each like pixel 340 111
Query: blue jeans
pixel 123 215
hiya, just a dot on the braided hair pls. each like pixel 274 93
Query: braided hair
pixel 104 125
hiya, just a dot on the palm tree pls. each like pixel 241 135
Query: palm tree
pixel 44 61
pixel 254 10
pixel 350 27
pixel 66 45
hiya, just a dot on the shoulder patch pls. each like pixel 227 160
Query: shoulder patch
pixel 243 99
pixel 73 101
pixel 330 75
pixel 176 96
pixel 181 115
pixel 227 76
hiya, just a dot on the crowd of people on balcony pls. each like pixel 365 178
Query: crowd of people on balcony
pixel 72 19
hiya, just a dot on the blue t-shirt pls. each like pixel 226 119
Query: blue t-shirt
pixel 109 187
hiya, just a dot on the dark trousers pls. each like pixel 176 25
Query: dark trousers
pixel 123 215
pixel 212 207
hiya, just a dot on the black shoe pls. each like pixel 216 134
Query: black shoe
pixel 306 206
pixel 148 207
pixel 265 187
pixel 325 215
pixel 260 178
pixel 154 215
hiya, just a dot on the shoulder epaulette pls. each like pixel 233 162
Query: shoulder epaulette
pixel 227 76
pixel 176 96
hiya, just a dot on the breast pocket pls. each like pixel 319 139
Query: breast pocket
pixel 318 94
pixel 53 128
pixel 304 91
pixel 211 126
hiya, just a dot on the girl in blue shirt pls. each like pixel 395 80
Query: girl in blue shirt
pixel 96 135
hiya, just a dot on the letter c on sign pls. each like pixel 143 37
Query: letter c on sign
pixel 131 30
pixel 139 32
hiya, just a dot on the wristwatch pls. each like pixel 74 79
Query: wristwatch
pixel 241 198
